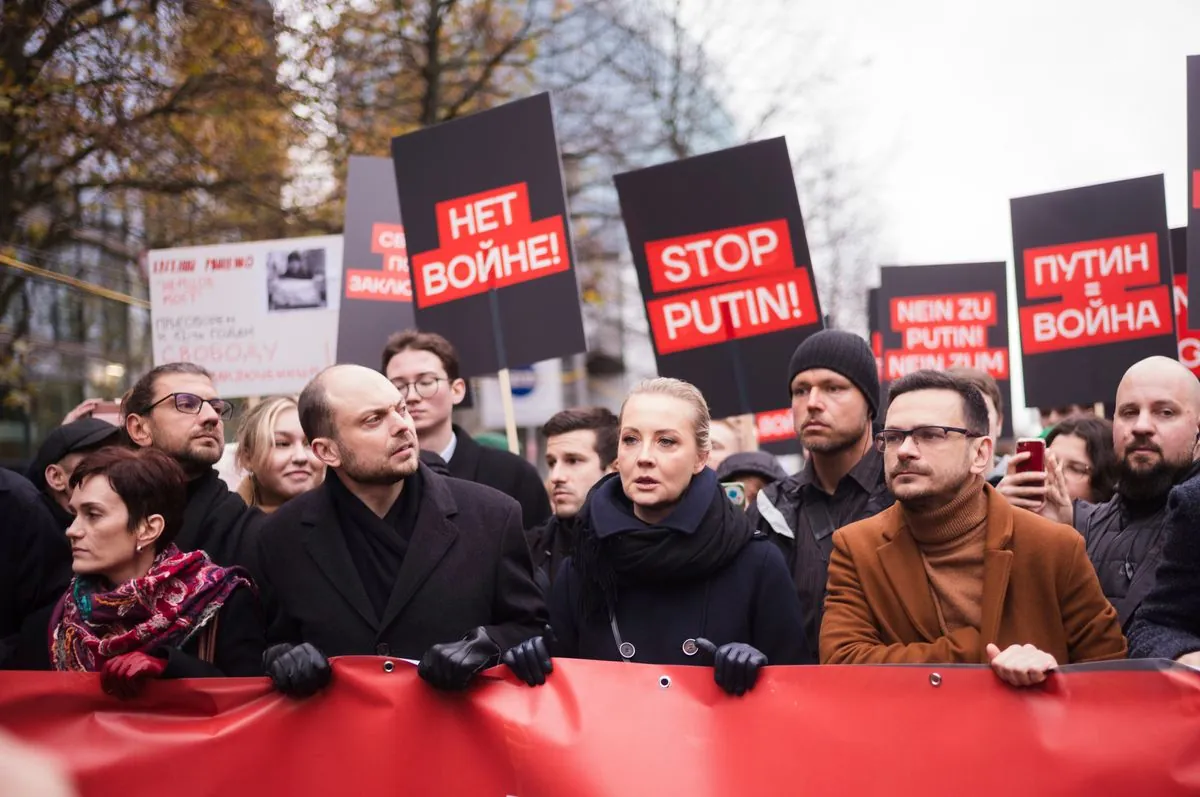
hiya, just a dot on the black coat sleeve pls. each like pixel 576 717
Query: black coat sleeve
pixel 280 626
pixel 240 643
pixel 35 563
pixel 1167 624
pixel 531 495
pixel 562 613
pixel 518 608
pixel 778 622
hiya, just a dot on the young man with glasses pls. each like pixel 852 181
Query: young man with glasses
pixel 953 573
pixel 175 408
pixel 424 367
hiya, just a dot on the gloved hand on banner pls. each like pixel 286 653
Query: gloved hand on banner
pixel 530 660
pixel 452 665
pixel 297 670
pixel 736 665
pixel 124 676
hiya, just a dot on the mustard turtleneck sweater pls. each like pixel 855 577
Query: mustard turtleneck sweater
pixel 951 541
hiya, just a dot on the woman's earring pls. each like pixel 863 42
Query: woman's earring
pixel 139 549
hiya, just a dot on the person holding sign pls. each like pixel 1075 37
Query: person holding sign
pixel 834 384
pixel 952 573
pixel 667 570
pixel 424 368
pixel 386 557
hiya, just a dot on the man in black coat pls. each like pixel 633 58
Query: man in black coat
pixel 175 409
pixel 424 367
pixel 63 449
pixel 35 568
pixel 387 557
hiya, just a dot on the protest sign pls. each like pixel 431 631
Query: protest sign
pixel 377 289
pixel 775 432
pixel 1193 162
pixel 723 264
pixel 1189 339
pixel 945 316
pixel 874 330
pixel 1093 288
pixel 488 236
pixel 258 315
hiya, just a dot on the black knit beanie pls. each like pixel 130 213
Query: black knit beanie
pixel 843 352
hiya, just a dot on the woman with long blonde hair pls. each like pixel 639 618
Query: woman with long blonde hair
pixel 275 454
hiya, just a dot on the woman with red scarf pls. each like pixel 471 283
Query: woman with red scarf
pixel 137 607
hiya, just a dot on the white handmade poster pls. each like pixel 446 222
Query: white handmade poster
pixel 261 316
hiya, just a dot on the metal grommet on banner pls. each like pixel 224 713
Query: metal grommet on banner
pixel 690 648
pixel 627 650
pixel 664 681
pixel 388 666
pixel 935 679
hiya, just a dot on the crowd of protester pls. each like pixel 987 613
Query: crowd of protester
pixel 369 523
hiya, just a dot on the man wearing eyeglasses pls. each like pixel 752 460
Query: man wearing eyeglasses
pixel 953 573
pixel 424 367
pixel 176 409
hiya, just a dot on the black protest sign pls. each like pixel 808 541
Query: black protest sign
pixel 1189 339
pixel 723 264
pixel 1193 160
pixel 1093 288
pixel 376 288
pixel 874 330
pixel 946 316
pixel 488 239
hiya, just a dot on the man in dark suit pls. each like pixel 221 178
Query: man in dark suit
pixel 424 367
pixel 387 557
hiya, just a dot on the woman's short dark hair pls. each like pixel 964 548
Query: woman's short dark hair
pixel 148 481
pixel 975 414
pixel 1097 435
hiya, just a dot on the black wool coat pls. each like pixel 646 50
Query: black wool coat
pixel 218 522
pixel 467 566
pixel 503 471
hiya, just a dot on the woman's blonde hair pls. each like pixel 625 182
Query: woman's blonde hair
pixel 685 391
pixel 255 439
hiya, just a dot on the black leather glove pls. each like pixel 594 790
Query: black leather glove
pixel 297 671
pixel 736 665
pixel 452 665
pixel 530 660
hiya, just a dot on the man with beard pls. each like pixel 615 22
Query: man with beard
pixel 388 558
pixel 953 574
pixel 175 409
pixel 581 446
pixel 1155 429
pixel 834 386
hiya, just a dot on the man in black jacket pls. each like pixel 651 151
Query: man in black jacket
pixel 175 409
pixel 581 446
pixel 424 367
pixel 57 457
pixel 387 557
pixel 834 384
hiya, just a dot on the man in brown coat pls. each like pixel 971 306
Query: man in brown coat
pixel 953 573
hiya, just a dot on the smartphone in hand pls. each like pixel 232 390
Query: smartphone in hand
pixel 736 493
pixel 1036 447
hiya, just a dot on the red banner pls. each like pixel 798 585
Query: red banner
pixel 613 729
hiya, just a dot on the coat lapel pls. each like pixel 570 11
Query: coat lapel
pixel 432 538
pixel 905 570
pixel 326 544
pixel 997 564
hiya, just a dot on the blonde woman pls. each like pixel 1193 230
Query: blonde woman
pixel 274 452
pixel 667 570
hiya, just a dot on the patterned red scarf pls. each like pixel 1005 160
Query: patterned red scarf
pixel 164 608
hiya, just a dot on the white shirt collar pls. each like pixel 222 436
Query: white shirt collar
pixel 448 452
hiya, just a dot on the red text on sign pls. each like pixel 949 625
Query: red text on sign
pixel 719 256
pixel 393 283
pixel 488 241
pixel 1189 339
pixel 993 361
pixel 943 310
pixel 716 315
pixel 775 426
pixel 1086 266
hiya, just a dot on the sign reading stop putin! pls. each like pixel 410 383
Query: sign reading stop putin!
pixel 723 264
pixel 1093 287
pixel 485 222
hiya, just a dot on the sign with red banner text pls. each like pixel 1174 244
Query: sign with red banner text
pixel 376 286
pixel 1093 288
pixel 1189 339
pixel 875 331
pixel 945 316
pixel 486 224
pixel 723 264
pixel 1193 182
pixel 775 431
pixel 607 729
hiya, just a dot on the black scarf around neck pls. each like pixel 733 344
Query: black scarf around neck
pixel 701 536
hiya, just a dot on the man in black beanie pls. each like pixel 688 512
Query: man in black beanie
pixel 834 385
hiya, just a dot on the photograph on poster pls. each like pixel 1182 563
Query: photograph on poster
pixel 296 279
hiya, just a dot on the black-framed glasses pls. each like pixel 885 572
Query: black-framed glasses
pixel 426 386
pixel 921 435
pixel 191 404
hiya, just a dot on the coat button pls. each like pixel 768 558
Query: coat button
pixel 627 650
pixel 382 649
pixel 690 648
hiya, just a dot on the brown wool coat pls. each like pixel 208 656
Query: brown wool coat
pixel 1038 588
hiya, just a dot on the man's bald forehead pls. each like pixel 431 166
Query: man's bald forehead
pixel 1170 375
